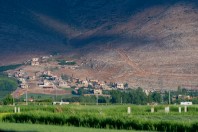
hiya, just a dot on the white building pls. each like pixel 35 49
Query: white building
pixel 98 91
pixel 47 84
pixel 120 85
pixel 47 73
pixel 63 84
pixel 185 103
pixel 35 62
pixel 85 83
pixel 24 85
pixel 35 59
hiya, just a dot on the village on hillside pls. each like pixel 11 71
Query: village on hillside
pixel 46 75
pixel 40 75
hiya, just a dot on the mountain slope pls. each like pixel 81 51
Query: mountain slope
pixel 152 44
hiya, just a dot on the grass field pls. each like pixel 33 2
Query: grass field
pixel 45 97
pixel 106 116
pixel 9 67
pixel 49 128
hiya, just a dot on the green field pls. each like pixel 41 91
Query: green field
pixel 46 96
pixel 106 117
pixel 43 98
pixel 49 128
pixel 9 67
pixel 7 85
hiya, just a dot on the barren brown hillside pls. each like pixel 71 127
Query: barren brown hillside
pixel 166 58
pixel 151 44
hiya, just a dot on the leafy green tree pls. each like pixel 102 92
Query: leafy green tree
pixel 195 100
pixel 150 99
pixel 116 96
pixel 126 85
pixel 132 96
pixel 102 99
pixel 88 99
pixel 166 97
pixel 72 99
pixel 80 91
pixel 8 100
pixel 156 97
pixel 137 96
pixel 141 96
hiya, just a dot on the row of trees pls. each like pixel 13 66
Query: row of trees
pixel 135 96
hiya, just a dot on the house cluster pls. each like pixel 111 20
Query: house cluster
pixel 22 77
pixel 182 97
pixel 42 79
pixel 99 84
pixel 96 87
pixel 37 60
pixel 47 80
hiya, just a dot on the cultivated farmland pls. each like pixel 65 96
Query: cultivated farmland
pixel 106 116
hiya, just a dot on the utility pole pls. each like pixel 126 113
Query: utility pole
pixel 96 99
pixel 56 95
pixel 160 83
pixel 26 97
pixel 54 87
pixel 169 97
pixel 12 94
pixel 13 100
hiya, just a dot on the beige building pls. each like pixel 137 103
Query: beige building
pixel 85 83
pixel 98 91
pixel 32 78
pixel 24 85
pixel 35 62
pixel 120 86
pixel 47 84
pixel 63 84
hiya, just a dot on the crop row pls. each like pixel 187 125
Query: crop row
pixel 95 121
pixel 106 108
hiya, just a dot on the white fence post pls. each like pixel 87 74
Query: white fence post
pixel 185 108
pixel 167 109
pixel 18 109
pixel 129 110
pixel 179 109
pixel 15 109
pixel 152 110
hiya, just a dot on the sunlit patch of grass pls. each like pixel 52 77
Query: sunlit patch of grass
pixel 49 128
pixel 2 115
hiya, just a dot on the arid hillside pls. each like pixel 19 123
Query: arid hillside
pixel 152 44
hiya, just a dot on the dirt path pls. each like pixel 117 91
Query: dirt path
pixel 135 67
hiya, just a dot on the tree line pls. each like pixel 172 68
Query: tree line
pixel 132 96
pixel 135 96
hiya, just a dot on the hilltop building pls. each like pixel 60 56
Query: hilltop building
pixel 35 62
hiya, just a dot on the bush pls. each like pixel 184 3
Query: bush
pixel 8 100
